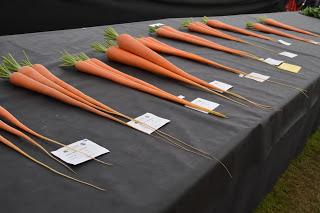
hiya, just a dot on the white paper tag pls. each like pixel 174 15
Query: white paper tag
pixel 204 103
pixel 257 76
pixel 221 85
pixel 156 25
pixel 80 151
pixel 241 75
pixel 181 97
pixel 288 54
pixel 315 42
pixel 284 42
pixel 149 123
pixel 273 62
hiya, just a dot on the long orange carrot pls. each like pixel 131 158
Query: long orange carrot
pixel 132 45
pixel 161 47
pixel 23 153
pixel 195 26
pixel 263 28
pixel 275 23
pixel 87 67
pixel 169 32
pixel 20 134
pixel 221 25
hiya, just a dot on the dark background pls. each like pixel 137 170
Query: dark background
pixel 22 16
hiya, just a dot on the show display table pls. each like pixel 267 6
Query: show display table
pixel 149 175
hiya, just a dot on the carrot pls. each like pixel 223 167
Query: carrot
pixel 20 79
pixel 221 25
pixel 85 66
pixel 23 153
pixel 158 46
pixel 9 117
pixel 161 47
pixel 132 45
pixel 169 32
pixel 263 28
pixel 275 23
pixel 20 134
pixel 204 29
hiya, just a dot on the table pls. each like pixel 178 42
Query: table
pixel 149 175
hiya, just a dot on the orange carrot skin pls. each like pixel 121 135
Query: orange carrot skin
pixel 164 48
pixel 93 70
pixel 201 42
pixel 204 29
pixel 46 73
pixel 16 132
pixel 5 114
pixel 132 45
pixel 26 82
pixel 122 56
pixel 107 67
pixel 276 23
pixel 32 73
pixel 266 29
pixel 222 25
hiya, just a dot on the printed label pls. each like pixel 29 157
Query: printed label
pixel 148 123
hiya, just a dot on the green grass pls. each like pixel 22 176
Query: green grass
pixel 298 189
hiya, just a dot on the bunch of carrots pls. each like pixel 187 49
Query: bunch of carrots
pixel 37 78
pixel 129 50
pixel 169 32
pixel 262 28
pixel 202 27
pixel 161 47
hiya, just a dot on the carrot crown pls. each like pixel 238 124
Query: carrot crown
pixel 153 29
pixel 261 19
pixel 26 61
pixel 4 72
pixel 103 47
pixel 249 24
pixel 186 22
pixel 10 63
pixel 69 60
pixel 110 34
pixel 205 19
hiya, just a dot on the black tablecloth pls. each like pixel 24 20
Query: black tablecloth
pixel 148 175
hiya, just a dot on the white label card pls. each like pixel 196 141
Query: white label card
pixel 257 77
pixel 221 85
pixel 288 54
pixel 80 151
pixel 315 42
pixel 181 97
pixel 204 103
pixel 156 25
pixel 148 123
pixel 273 62
pixel 284 42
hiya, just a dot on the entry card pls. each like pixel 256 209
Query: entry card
pixel 80 151
pixel 156 25
pixel 272 61
pixel 257 77
pixel 221 85
pixel 284 42
pixel 148 123
pixel 290 67
pixel 288 54
pixel 204 103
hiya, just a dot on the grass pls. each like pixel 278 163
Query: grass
pixel 298 189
